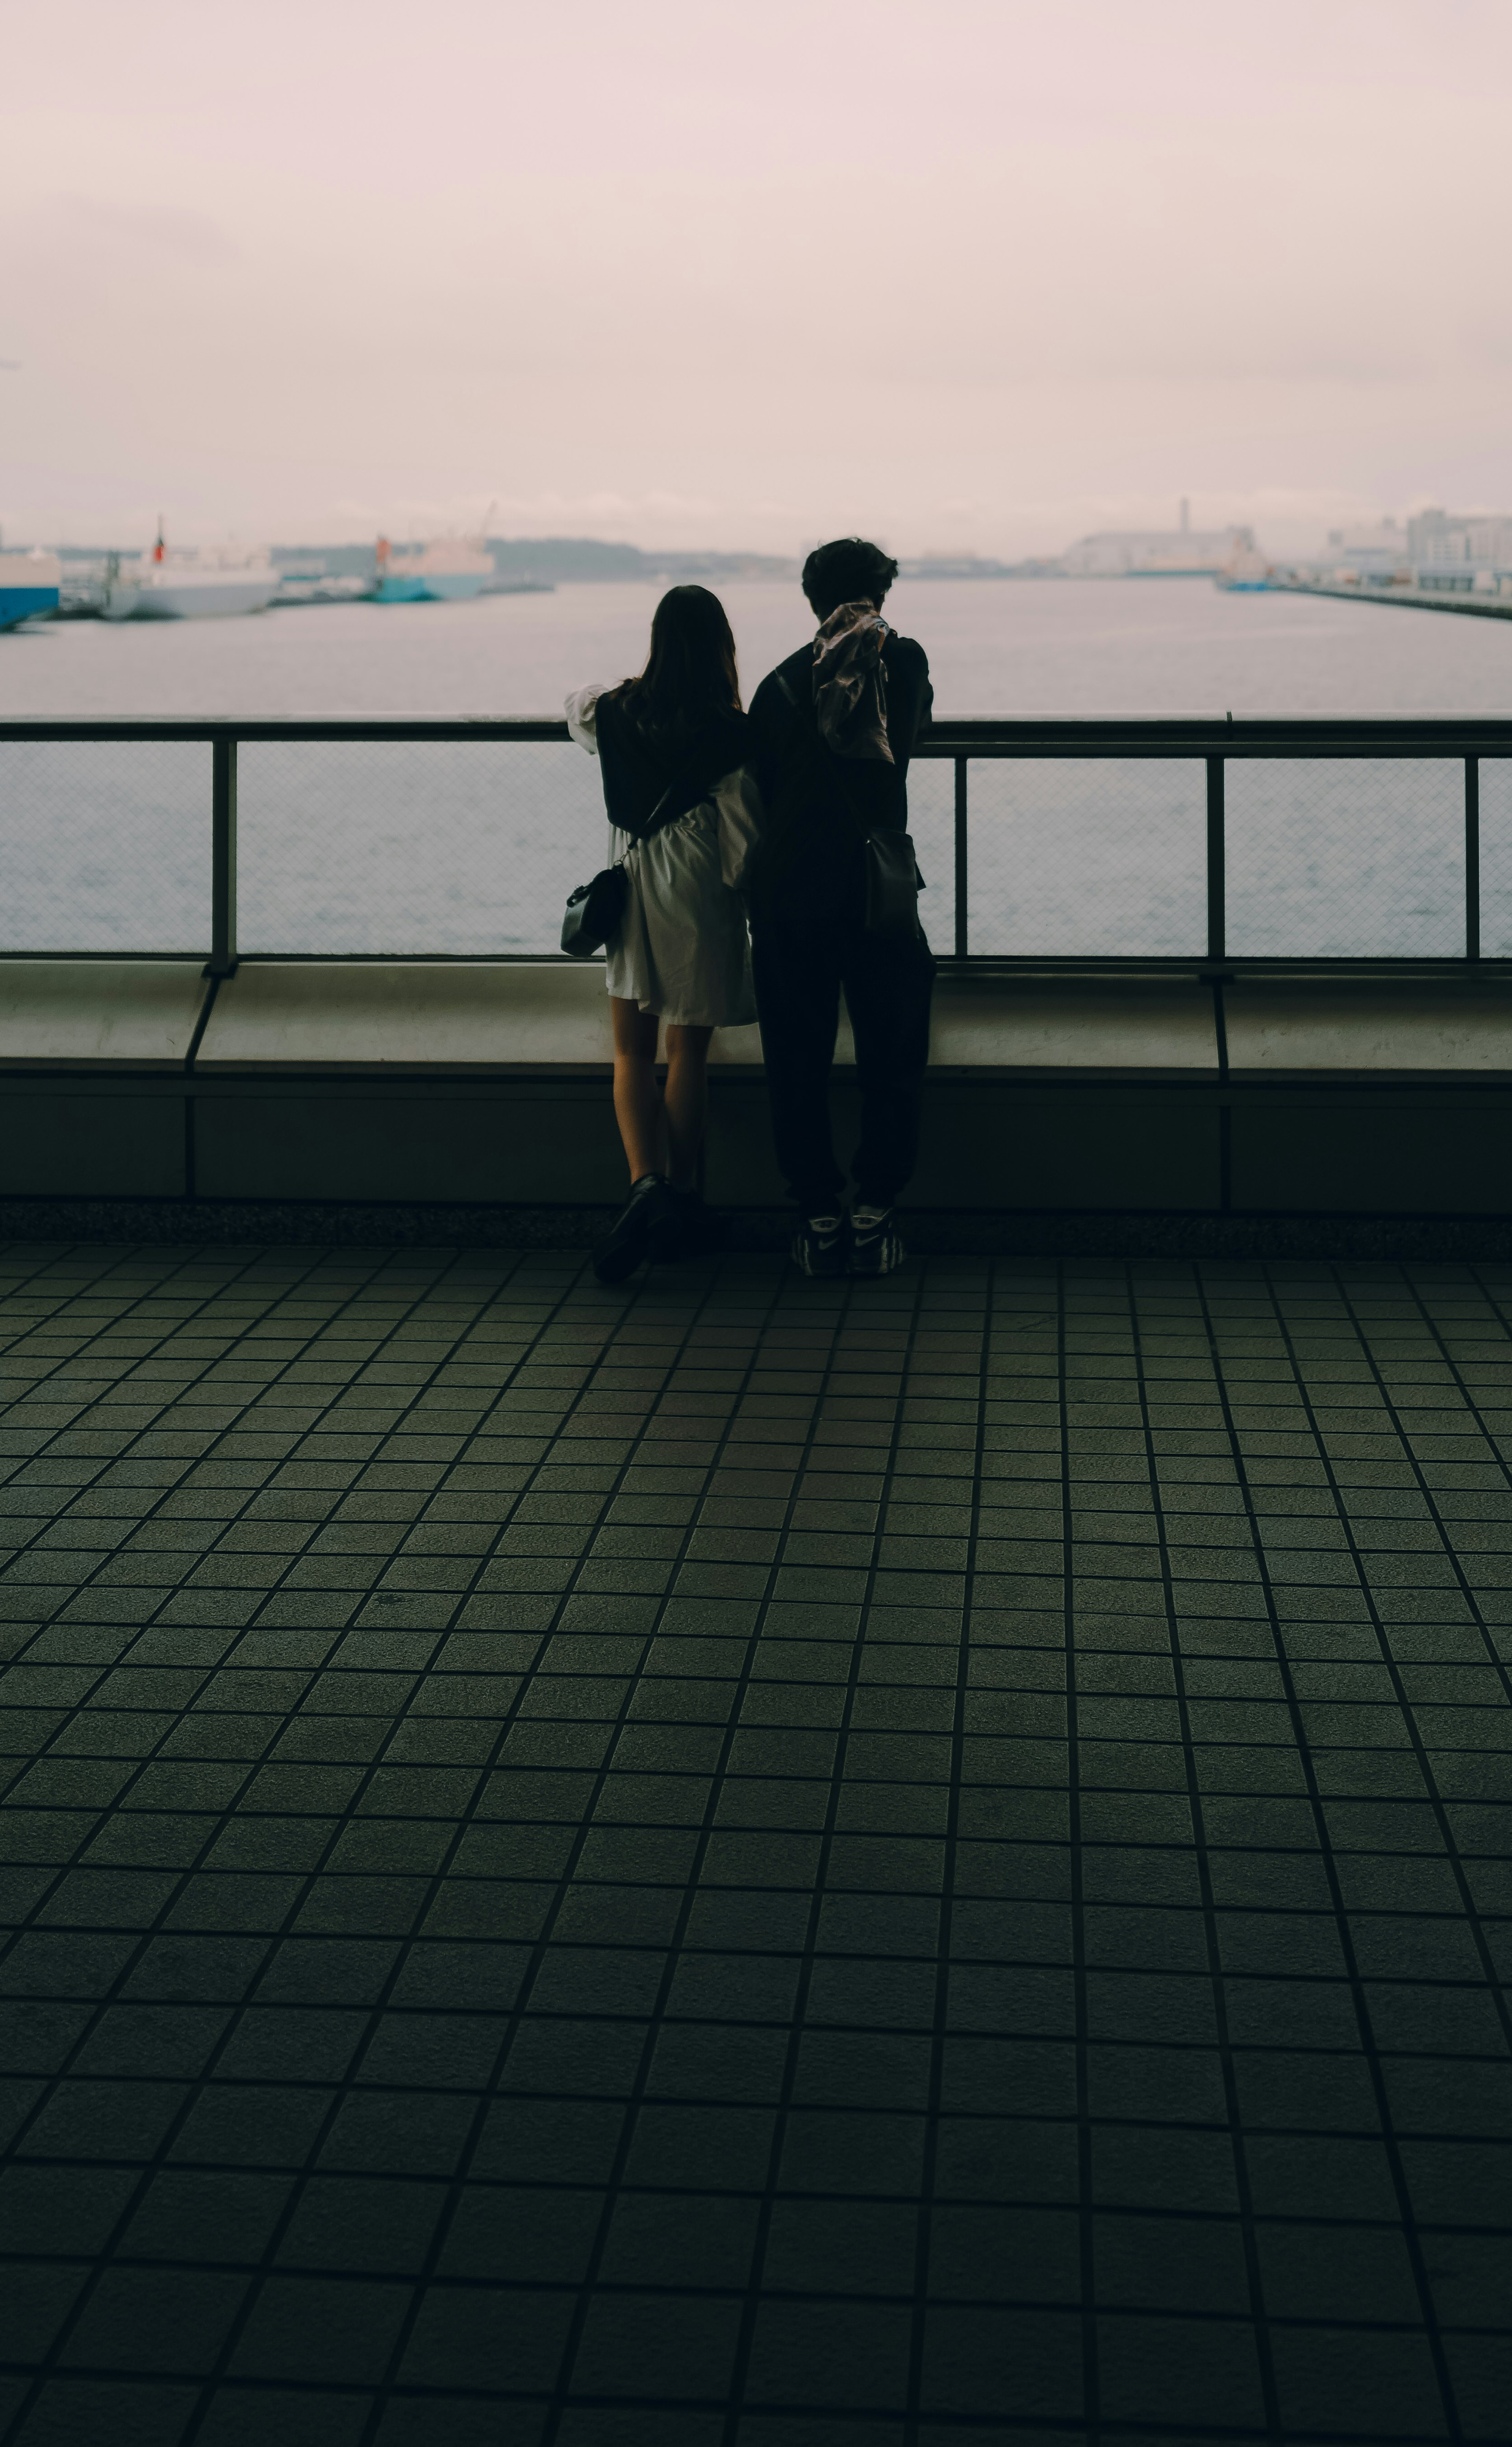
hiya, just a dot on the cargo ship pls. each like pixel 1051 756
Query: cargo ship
pixel 1246 571
pixel 28 585
pixel 166 585
pixel 449 571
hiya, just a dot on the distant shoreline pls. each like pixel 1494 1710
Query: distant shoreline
pixel 566 560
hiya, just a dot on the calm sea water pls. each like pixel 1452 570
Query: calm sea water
pixel 472 848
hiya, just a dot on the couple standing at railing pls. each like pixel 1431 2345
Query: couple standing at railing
pixel 763 865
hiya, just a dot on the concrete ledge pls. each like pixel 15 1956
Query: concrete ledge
pixel 434 1017
pixel 550 1018
pixel 1007 1020
pixel 470 1016
pixel 425 1016
pixel 73 1014
pixel 1368 1025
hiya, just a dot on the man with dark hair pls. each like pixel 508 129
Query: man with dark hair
pixel 832 728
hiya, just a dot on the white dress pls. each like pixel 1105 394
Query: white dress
pixel 683 949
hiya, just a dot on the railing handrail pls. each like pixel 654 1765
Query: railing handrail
pixel 1467 737
pixel 1442 735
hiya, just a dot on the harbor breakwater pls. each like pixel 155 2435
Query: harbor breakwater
pixel 1409 599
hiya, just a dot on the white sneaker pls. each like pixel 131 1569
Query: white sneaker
pixel 820 1247
pixel 876 1249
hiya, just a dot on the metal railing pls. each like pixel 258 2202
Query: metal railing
pixel 1216 747
pixel 1466 739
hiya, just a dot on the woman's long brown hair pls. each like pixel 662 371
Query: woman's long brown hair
pixel 691 682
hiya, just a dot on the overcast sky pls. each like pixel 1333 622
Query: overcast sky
pixel 972 273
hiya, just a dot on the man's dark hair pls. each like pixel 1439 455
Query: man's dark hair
pixel 848 570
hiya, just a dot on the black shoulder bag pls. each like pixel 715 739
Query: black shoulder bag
pixel 595 912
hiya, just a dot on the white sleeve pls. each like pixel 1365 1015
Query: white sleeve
pixel 739 805
pixel 581 711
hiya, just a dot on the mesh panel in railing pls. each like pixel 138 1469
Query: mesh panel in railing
pixel 1358 857
pixel 1496 857
pixel 1087 857
pixel 460 846
pixel 469 847
pixel 932 824
pixel 104 845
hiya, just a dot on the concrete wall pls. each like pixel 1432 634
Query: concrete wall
pixel 487 1083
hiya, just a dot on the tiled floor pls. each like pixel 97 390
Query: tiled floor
pixel 754 1863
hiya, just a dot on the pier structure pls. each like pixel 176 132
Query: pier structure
pixel 1480 604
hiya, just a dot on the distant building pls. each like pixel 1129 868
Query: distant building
pixel 1373 556
pixel 1184 551
pixel 1441 551
pixel 1464 553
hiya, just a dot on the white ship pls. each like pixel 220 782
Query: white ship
pixel 166 585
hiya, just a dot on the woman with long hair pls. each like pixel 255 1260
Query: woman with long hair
pixel 683 810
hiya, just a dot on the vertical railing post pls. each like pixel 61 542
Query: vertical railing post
pixel 1471 858
pixel 1216 903
pixel 960 858
pixel 223 959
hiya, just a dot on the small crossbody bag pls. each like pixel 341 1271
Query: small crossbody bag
pixel 597 910
pixel 594 911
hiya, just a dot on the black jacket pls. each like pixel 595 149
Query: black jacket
pixel 648 783
pixel 819 806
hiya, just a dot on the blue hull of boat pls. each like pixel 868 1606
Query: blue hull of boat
pixel 25 602
pixel 430 590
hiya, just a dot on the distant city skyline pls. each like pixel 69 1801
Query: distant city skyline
pixel 1369 534
pixel 991 276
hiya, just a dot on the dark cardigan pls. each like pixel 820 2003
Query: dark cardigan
pixel 648 785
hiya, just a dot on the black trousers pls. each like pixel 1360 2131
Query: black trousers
pixel 800 969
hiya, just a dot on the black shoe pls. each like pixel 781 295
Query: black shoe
pixel 703 1230
pixel 875 1246
pixel 822 1246
pixel 651 1225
